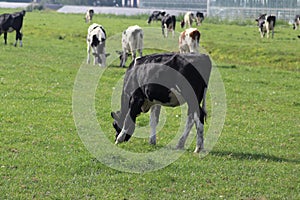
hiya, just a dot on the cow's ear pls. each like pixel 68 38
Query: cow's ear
pixel 115 116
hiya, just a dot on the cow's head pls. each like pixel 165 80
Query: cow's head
pixel 123 57
pixel 117 124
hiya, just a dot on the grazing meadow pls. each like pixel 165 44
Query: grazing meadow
pixel 42 156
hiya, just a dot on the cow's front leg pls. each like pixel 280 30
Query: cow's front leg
pixel 188 126
pixel 5 37
pixel 154 119
pixel 133 53
pixel 88 53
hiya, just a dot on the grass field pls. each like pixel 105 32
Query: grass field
pixel 42 156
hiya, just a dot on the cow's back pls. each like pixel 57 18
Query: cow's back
pixel 157 67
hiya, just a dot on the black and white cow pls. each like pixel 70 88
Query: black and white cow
pixel 188 20
pixel 89 15
pixel 296 23
pixel 132 41
pixel 266 23
pixel 167 79
pixel 156 16
pixel 96 42
pixel 199 18
pixel 12 22
pixel 168 24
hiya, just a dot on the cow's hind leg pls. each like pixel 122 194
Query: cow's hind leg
pixel 18 37
pixel 199 122
pixel 154 118
pixel 188 126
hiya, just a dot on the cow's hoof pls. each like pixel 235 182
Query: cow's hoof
pixel 152 142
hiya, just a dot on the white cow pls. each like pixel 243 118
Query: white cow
pixel 189 41
pixel 96 42
pixel 132 41
pixel 188 20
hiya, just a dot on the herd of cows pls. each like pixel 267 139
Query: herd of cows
pixel 152 81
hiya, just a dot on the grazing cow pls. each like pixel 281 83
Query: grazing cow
pixel 187 20
pixel 266 23
pixel 156 15
pixel 189 41
pixel 168 24
pixel 89 15
pixel 167 79
pixel 132 41
pixel 296 22
pixel 199 18
pixel 11 22
pixel 96 41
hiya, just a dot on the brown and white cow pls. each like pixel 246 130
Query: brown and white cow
pixel 166 79
pixel 96 42
pixel 168 24
pixel 189 41
pixel 296 23
pixel 132 41
pixel 266 23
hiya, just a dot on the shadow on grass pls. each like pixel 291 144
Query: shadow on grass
pixel 252 156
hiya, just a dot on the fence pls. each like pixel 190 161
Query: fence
pixel 230 9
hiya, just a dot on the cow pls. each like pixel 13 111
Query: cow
pixel 189 41
pixel 89 15
pixel 187 20
pixel 165 79
pixel 156 15
pixel 296 22
pixel 168 24
pixel 199 18
pixel 132 41
pixel 96 42
pixel 12 22
pixel 266 23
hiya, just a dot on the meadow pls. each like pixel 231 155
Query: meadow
pixel 42 156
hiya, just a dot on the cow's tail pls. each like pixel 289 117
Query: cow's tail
pixel 204 104
pixel 174 22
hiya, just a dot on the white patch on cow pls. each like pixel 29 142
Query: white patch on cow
pixel 200 129
pixel 121 136
pixel 154 118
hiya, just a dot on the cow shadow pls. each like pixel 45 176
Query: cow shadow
pixel 253 156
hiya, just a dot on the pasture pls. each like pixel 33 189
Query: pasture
pixel 42 157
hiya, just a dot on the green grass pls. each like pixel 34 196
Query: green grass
pixel 42 156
